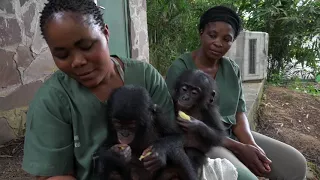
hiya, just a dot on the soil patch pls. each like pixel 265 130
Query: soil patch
pixel 11 161
pixel 292 117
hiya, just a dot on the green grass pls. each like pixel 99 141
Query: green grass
pixel 306 86
pixel 315 170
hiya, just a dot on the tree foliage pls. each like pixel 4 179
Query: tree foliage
pixel 293 27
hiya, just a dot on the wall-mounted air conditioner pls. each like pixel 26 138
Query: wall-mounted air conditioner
pixel 250 51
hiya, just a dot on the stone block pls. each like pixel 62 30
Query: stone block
pixel 6 5
pixel 40 68
pixel 38 43
pixel 16 119
pixel 20 97
pixel 9 75
pixel 253 93
pixel 23 56
pixel 8 90
pixel 22 2
pixel 142 38
pixel 27 19
pixel 144 4
pixel 6 133
pixel 139 34
pixel 135 53
pixel 10 32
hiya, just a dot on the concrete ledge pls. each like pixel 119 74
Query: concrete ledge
pixel 253 92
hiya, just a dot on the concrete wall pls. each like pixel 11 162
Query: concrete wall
pixel 240 53
pixel 26 62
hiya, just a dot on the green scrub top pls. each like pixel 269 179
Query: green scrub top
pixel 66 123
pixel 228 79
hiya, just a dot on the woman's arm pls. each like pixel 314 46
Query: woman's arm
pixel 48 147
pixel 248 152
pixel 242 129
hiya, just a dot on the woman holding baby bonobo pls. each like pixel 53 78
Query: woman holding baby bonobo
pixel 252 153
pixel 66 121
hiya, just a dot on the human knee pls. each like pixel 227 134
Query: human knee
pixel 217 152
pixel 294 169
pixel 299 167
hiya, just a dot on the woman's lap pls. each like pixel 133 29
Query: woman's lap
pixel 287 162
pixel 243 172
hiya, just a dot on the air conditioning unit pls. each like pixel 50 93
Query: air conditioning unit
pixel 250 52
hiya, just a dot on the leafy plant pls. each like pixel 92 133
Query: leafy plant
pixel 305 87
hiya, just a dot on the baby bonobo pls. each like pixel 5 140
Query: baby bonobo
pixel 195 94
pixel 142 142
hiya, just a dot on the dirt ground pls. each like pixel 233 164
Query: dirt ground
pixel 286 115
pixel 292 117
pixel 10 161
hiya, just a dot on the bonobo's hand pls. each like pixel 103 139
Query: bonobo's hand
pixel 193 125
pixel 123 150
pixel 255 159
pixel 156 160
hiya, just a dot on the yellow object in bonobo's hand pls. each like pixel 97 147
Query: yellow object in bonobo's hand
pixel 122 146
pixel 144 155
pixel 184 115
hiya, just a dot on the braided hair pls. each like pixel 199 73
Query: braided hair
pixel 83 7
pixel 221 13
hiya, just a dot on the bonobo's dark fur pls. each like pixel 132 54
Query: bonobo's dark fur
pixel 196 94
pixel 133 103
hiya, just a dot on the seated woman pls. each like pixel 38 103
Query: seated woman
pixel 66 121
pixel 252 153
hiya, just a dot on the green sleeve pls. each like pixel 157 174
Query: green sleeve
pixel 48 148
pixel 241 103
pixel 173 72
pixel 158 90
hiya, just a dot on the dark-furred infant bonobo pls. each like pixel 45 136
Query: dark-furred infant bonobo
pixel 136 126
pixel 195 93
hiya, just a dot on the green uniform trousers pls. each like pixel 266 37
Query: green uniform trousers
pixel 287 162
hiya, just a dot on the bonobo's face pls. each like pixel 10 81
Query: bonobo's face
pixel 126 130
pixel 188 96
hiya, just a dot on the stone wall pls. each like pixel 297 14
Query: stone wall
pixel 139 30
pixel 25 60
pixel 25 63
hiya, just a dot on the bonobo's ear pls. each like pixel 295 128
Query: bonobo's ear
pixel 213 93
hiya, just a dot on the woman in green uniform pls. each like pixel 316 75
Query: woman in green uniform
pixel 66 121
pixel 252 153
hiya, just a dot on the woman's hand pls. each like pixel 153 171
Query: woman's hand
pixel 254 158
pixel 123 150
pixel 248 152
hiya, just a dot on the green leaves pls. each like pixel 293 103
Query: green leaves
pixel 318 78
